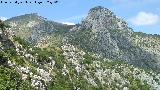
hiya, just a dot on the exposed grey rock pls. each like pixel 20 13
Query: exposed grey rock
pixel 104 33
pixel 89 58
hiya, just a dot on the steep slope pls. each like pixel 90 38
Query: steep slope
pixel 92 56
pixel 68 68
pixel 37 30
pixel 105 34
pixel 5 42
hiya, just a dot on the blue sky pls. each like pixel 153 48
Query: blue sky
pixel 141 15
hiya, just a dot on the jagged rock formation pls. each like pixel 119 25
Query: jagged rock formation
pixel 103 33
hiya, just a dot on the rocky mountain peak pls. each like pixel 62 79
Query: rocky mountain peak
pixel 100 9
pixel 106 34
pixel 103 18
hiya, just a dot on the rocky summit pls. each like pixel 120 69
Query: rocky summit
pixel 104 18
pixel 102 32
pixel 100 53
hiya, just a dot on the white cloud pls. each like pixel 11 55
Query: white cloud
pixel 72 18
pixel 144 18
pixel 76 17
pixel 3 18
pixel 68 23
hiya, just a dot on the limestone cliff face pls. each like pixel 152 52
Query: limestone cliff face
pixel 104 18
pixel 106 34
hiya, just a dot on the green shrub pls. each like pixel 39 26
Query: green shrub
pixel 24 43
pixel 10 80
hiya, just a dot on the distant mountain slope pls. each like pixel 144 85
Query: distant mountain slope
pixel 37 30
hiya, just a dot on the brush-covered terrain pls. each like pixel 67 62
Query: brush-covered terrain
pixel 100 53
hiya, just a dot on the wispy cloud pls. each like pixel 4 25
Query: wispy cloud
pixel 3 18
pixel 74 19
pixel 145 18
pixel 68 23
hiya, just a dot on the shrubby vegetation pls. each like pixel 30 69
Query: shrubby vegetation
pixel 24 43
pixel 55 68
pixel 11 80
pixel 60 82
